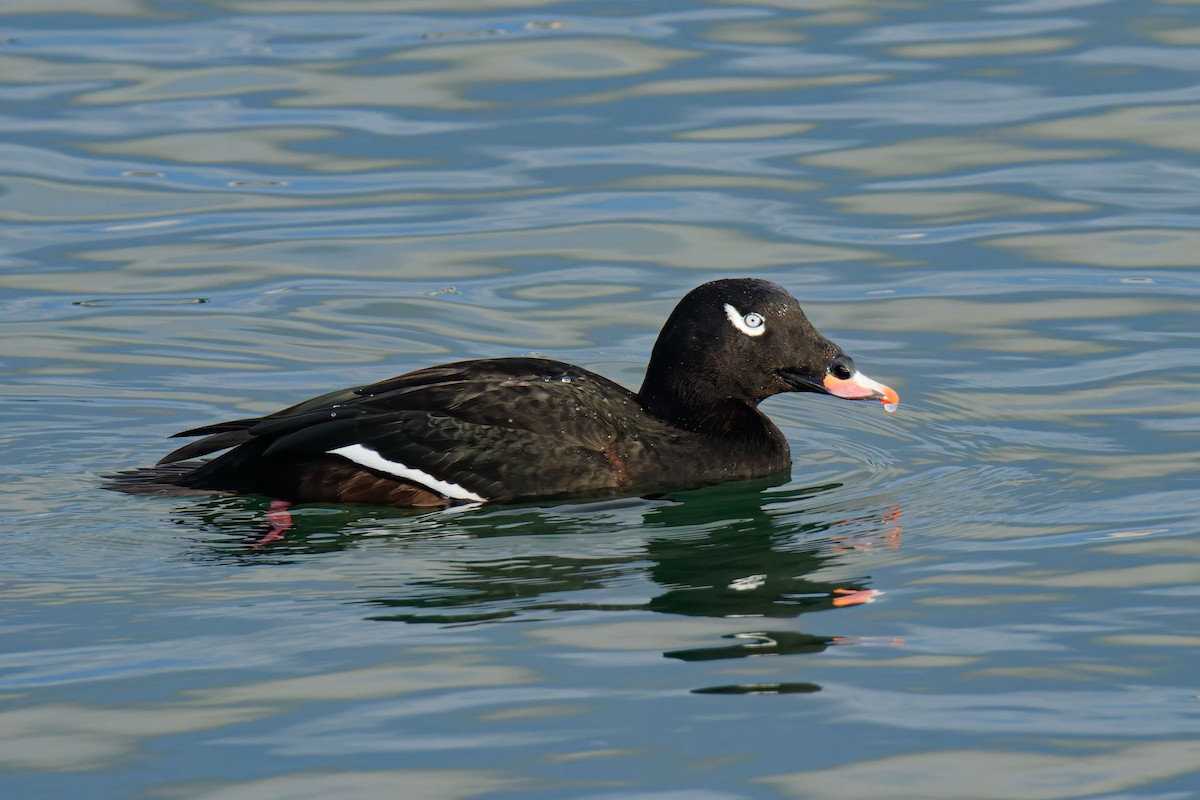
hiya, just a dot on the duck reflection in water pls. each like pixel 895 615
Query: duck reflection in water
pixel 737 550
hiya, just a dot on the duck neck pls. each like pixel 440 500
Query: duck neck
pixel 699 409
pixel 738 434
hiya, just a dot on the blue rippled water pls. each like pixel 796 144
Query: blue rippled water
pixel 215 209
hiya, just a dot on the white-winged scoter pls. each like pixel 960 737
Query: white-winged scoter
pixel 508 429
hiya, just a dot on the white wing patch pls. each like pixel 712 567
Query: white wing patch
pixel 752 324
pixel 369 458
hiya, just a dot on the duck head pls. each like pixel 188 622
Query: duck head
pixel 743 340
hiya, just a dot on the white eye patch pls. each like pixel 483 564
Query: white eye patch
pixel 752 324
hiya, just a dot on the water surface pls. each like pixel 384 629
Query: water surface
pixel 215 209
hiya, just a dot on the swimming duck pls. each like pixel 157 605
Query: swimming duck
pixel 512 429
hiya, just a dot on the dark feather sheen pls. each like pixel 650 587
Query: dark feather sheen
pixel 517 428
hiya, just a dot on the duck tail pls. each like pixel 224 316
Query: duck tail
pixel 163 479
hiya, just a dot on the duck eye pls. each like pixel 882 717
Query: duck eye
pixel 752 324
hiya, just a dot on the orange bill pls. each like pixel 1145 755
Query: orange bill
pixel 860 387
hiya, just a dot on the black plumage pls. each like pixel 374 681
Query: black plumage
pixel 508 429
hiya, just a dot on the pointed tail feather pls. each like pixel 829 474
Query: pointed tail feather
pixel 166 480
pixel 209 444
